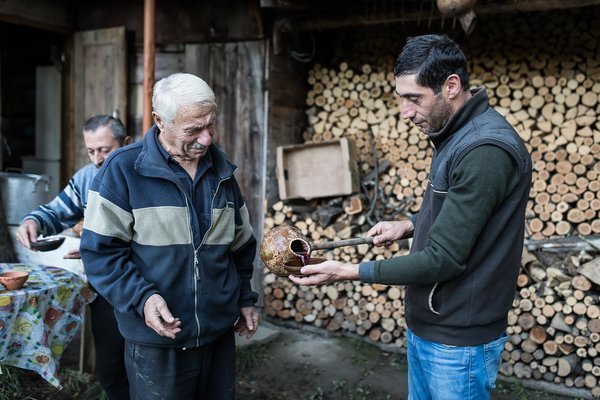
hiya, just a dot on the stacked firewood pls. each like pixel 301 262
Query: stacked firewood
pixel 554 325
pixel 371 310
pixel 551 97
pixel 555 113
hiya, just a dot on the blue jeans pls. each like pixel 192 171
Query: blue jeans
pixel 161 373
pixel 442 372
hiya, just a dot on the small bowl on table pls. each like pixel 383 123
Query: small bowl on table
pixel 13 280
pixel 294 266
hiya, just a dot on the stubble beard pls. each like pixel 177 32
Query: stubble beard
pixel 439 116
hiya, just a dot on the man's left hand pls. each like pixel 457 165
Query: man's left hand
pixel 72 255
pixel 247 324
pixel 325 272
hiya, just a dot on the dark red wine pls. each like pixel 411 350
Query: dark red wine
pixel 304 257
pixel 301 249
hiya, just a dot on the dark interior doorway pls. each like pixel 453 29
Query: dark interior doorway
pixel 28 56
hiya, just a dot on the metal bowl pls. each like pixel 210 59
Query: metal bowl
pixel 48 244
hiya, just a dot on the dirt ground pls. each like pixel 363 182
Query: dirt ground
pixel 302 365
pixel 299 365
pixel 281 362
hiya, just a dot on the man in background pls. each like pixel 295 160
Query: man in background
pixel 102 135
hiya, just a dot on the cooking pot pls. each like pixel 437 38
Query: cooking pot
pixel 22 193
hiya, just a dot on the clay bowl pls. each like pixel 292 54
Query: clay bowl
pixel 13 280
pixel 293 267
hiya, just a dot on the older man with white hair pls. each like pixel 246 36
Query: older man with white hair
pixel 167 240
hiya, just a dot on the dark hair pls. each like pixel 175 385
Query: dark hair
pixel 433 58
pixel 114 124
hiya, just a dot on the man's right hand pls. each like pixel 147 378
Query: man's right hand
pixel 28 232
pixel 390 231
pixel 159 318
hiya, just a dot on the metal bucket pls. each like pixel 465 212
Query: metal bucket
pixel 22 193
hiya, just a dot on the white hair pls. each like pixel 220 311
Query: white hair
pixel 180 90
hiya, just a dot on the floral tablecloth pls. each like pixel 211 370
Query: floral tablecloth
pixel 38 321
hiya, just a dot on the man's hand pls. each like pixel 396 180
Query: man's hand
pixel 159 318
pixel 390 231
pixel 72 255
pixel 28 232
pixel 78 227
pixel 326 272
pixel 247 324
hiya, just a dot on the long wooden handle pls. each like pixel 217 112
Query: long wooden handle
pixel 341 243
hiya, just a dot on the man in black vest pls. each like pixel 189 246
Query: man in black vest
pixel 468 237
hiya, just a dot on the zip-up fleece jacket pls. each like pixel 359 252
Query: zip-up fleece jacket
pixel 142 236
pixel 468 236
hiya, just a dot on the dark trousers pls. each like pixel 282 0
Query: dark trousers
pixel 110 350
pixel 206 372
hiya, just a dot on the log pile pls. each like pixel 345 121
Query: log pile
pixel 371 310
pixel 552 103
pixel 554 324
pixel 551 97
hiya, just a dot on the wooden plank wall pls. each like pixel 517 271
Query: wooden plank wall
pixel 235 72
pixel 287 112
pixel 100 75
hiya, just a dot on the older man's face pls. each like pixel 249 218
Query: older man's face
pixel 190 134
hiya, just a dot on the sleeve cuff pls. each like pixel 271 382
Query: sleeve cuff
pixel 248 300
pixel 366 271
pixel 413 218
pixel 140 307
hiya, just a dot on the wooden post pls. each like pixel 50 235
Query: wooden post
pixel 149 51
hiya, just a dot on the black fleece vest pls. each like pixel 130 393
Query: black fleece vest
pixel 471 309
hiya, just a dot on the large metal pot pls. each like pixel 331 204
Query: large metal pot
pixel 21 193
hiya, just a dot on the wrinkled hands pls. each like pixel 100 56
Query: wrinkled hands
pixel 27 232
pixel 390 231
pixel 159 318
pixel 247 324
pixel 326 272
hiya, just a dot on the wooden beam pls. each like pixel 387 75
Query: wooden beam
pixel 50 15
pixel 354 15
pixel 533 5
pixel 149 57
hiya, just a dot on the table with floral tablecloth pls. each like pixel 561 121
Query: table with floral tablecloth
pixel 38 321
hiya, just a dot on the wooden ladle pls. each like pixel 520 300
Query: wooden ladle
pixel 285 244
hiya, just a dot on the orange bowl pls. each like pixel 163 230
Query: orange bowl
pixel 13 280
